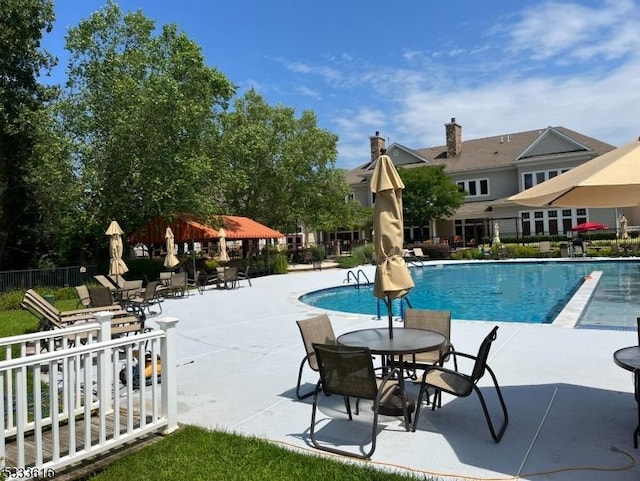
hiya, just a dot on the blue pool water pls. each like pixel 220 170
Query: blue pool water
pixel 533 292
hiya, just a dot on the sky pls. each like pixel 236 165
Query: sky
pixel 404 69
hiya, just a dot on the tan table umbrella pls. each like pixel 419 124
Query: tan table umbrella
pixel 223 256
pixel 610 180
pixel 393 279
pixel 170 260
pixel 117 267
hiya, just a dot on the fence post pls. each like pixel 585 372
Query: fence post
pixel 105 382
pixel 169 373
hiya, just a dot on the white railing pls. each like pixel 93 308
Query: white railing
pixel 77 382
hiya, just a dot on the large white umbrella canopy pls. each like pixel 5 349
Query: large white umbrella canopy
pixel 393 279
pixel 170 260
pixel 610 180
pixel 223 256
pixel 117 267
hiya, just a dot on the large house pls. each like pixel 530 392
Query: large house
pixel 490 170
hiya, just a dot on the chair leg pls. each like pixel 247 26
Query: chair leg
pixel 636 379
pixel 496 436
pixel 310 393
pixel 312 430
pixel 416 416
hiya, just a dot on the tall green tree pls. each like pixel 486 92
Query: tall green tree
pixel 283 167
pixel 429 194
pixel 22 102
pixel 141 106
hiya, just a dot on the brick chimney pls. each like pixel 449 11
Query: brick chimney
pixel 377 143
pixel 454 138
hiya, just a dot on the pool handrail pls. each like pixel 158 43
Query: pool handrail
pixel 356 277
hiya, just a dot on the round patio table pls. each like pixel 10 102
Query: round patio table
pixel 405 341
pixel 629 358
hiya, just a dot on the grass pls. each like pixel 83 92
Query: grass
pixel 200 454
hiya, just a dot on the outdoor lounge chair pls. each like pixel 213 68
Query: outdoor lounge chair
pixel 83 297
pixel 417 252
pixel 100 297
pixel 104 281
pixel 144 301
pixel 127 288
pixel 349 372
pixel 177 284
pixel 316 329
pixel 230 277
pixel 204 279
pixel 122 322
pixel 462 385
pixel 439 321
pixel 244 276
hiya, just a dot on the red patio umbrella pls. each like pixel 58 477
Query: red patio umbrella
pixel 587 226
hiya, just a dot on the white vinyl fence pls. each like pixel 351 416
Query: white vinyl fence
pixel 62 401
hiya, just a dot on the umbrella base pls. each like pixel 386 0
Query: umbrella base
pixel 393 404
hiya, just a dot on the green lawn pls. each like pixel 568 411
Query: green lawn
pixel 194 453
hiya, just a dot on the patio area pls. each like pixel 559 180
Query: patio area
pixel 569 405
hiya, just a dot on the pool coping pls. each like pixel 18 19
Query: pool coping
pixel 573 310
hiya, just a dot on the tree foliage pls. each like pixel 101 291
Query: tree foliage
pixel 429 194
pixel 22 102
pixel 283 166
pixel 140 106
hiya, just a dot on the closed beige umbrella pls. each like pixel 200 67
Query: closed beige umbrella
pixel 223 256
pixel 393 279
pixel 610 180
pixel 117 267
pixel 170 260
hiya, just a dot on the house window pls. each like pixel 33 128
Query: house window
pixel 552 221
pixel 474 188
pixel 529 179
pixel 350 196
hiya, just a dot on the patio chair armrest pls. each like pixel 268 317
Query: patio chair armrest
pixel 455 354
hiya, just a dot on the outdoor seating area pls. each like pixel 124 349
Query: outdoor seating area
pixel 346 367
pixel 555 402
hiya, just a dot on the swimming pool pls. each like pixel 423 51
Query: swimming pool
pixel 531 292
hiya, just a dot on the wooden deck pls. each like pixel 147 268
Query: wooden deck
pixel 89 466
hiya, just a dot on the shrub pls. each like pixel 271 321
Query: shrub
pixel 347 262
pixel 318 252
pixel 11 300
pixel 144 267
pixel 279 264
pixel 211 265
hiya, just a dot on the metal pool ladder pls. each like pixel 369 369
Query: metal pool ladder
pixel 356 277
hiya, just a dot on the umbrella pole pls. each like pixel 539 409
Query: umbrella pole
pixel 390 312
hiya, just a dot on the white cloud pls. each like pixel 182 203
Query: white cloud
pixel 308 92
pixel 570 29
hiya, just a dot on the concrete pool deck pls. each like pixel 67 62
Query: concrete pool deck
pixel 239 352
